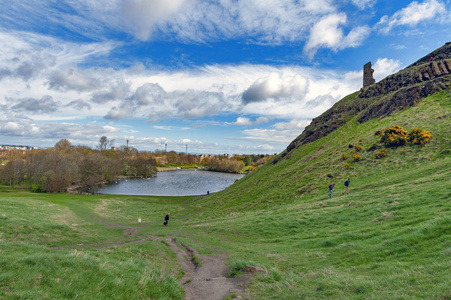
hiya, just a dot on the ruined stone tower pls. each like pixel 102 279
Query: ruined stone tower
pixel 368 75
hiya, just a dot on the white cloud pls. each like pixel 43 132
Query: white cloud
pixel 276 86
pixel 362 4
pixel 242 121
pixel 327 33
pixel 140 16
pixel 384 67
pixel 412 14
pixel 200 21
pixel 280 133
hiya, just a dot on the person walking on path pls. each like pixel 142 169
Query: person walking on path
pixel 331 187
pixel 166 219
pixel 347 182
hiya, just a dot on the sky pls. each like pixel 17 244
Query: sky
pixel 212 77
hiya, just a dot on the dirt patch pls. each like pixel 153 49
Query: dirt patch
pixel 207 279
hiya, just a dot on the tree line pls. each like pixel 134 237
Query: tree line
pixel 53 170
pixel 65 165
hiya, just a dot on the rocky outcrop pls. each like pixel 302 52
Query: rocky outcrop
pixel 405 97
pixel 392 94
pixel 405 78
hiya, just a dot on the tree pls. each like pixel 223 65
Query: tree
pixel 63 145
pixel 104 143
pixel 142 167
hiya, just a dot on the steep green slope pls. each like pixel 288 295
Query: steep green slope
pixel 388 239
pixel 308 170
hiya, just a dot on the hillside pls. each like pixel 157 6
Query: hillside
pixel 395 92
pixel 388 239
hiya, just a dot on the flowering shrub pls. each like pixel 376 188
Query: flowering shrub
pixel 347 166
pixel 394 136
pixel 358 148
pixel 419 137
pixel 380 154
pixel 356 157
pixel 403 151
pixel 379 133
pixel 344 156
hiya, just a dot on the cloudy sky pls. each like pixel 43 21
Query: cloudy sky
pixel 216 76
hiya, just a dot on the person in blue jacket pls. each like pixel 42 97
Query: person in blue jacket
pixel 331 187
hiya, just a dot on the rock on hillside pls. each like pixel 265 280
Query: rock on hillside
pixel 395 92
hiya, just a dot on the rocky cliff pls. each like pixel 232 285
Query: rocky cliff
pixel 395 92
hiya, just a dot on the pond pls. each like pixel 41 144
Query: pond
pixel 173 183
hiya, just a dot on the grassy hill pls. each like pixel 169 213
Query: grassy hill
pixel 390 238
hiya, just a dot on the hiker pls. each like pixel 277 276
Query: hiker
pixel 331 187
pixel 166 219
pixel 347 182
pixel 431 59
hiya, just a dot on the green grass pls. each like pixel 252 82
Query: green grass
pixel 390 238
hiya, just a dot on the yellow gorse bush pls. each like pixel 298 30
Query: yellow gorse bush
pixel 394 136
pixel 419 136
pixel 380 154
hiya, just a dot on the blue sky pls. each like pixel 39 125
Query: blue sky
pixel 226 76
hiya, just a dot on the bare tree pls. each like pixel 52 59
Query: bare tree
pixel 104 143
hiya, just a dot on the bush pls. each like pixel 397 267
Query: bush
pixel 356 157
pixel 344 156
pixel 378 133
pixel 372 148
pixel 358 148
pixel 394 136
pixel 381 154
pixel 347 166
pixel 419 137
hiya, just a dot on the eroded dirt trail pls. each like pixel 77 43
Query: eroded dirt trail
pixel 208 280
pixel 204 281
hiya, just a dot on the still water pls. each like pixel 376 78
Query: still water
pixel 173 183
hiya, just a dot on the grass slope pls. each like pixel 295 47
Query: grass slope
pixel 390 238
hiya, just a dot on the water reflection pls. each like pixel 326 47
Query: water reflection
pixel 173 183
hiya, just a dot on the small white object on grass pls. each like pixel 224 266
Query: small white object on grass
pixel 139 220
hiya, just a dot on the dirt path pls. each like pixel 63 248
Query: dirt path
pixel 204 279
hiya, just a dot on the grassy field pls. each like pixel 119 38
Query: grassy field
pixel 390 238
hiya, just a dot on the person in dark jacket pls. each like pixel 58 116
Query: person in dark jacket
pixel 166 219
pixel 347 182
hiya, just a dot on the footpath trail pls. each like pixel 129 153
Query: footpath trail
pixel 205 277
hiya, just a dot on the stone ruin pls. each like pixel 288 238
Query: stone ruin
pixel 368 75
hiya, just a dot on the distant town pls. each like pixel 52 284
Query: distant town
pixel 16 147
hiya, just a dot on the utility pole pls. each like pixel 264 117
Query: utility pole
pixel 165 147
pixel 127 143
pixel 186 149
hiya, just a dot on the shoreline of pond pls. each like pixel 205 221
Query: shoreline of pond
pixel 169 184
